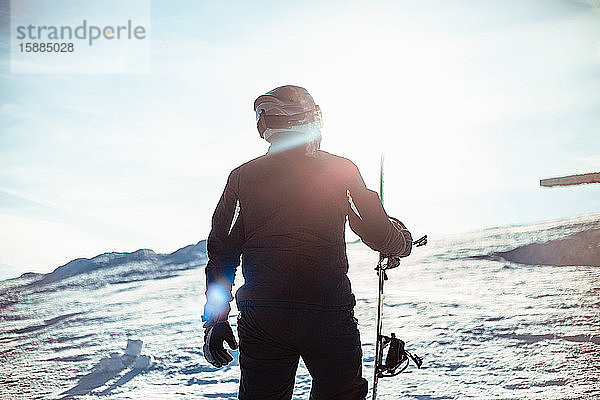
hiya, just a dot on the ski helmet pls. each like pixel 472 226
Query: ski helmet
pixel 285 107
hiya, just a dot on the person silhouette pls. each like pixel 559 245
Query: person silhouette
pixel 284 214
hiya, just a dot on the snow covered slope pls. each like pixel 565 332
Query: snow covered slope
pixel 486 328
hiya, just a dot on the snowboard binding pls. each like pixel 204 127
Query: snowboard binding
pixel 397 359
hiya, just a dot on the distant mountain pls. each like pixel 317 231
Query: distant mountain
pixel 188 253
pixel 8 271
pixel 139 262
pixel 582 248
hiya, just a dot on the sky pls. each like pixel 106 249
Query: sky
pixel 473 102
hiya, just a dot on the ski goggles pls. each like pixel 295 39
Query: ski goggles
pixel 265 121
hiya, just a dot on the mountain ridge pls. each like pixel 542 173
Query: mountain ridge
pixel 191 255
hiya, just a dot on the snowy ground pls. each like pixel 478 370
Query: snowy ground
pixel 486 329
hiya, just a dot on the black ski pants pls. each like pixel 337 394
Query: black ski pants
pixel 272 340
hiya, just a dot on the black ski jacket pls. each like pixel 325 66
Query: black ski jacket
pixel 285 214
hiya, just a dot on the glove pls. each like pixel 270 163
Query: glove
pixel 392 262
pixel 214 336
pixel 403 249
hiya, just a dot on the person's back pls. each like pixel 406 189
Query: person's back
pixel 285 214
pixel 294 211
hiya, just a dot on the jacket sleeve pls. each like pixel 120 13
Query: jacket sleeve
pixel 369 220
pixel 224 250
